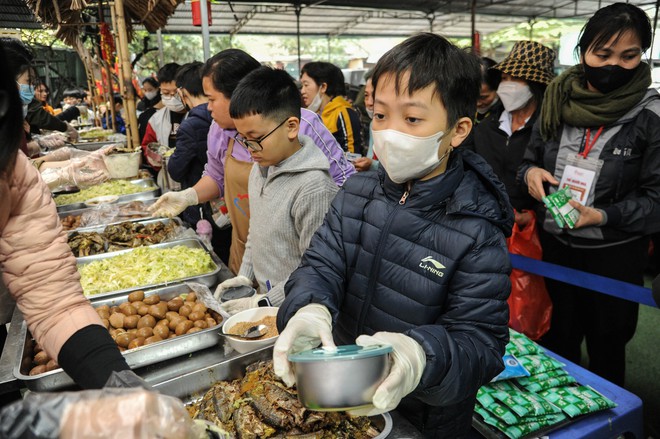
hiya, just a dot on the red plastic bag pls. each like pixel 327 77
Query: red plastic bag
pixel 530 307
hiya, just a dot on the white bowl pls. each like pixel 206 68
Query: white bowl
pixel 106 199
pixel 249 315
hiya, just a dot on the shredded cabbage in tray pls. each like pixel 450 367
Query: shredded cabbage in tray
pixel 112 187
pixel 143 266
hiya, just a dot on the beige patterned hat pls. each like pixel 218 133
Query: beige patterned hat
pixel 530 61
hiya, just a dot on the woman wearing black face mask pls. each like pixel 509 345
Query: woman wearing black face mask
pixel 599 133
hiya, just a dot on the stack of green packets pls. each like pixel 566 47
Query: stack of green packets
pixel 520 406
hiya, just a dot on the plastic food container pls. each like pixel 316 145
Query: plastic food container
pixel 242 345
pixel 341 379
pixel 122 165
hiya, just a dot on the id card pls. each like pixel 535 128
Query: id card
pixel 580 174
pixel 351 156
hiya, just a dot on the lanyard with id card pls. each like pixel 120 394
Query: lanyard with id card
pixel 581 172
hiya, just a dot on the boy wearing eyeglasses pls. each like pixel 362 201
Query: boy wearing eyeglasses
pixel 290 188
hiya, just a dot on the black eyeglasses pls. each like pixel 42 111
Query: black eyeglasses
pixel 255 145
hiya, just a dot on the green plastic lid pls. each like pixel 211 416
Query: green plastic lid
pixel 347 352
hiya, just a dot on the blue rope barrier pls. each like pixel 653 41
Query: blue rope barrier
pixel 605 285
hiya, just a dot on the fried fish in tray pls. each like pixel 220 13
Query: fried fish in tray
pixel 261 406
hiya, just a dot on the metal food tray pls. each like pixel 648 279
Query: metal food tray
pixel 146 221
pixel 101 228
pixel 119 220
pixel 208 279
pixel 191 386
pixel 146 195
pixel 92 146
pixel 138 357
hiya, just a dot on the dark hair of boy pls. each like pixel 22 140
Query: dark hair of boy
pixel 227 68
pixel 118 99
pixel 615 19
pixel 189 77
pixel 72 93
pixel 151 81
pixel 326 72
pixel 11 117
pixel 432 60
pixel 490 77
pixel 272 93
pixel 167 73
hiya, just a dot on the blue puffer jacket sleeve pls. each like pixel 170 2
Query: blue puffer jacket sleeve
pixel 187 163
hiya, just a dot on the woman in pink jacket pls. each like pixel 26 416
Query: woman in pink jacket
pixel 37 267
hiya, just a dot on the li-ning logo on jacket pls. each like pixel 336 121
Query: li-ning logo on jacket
pixel 431 265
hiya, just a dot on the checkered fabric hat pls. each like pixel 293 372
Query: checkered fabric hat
pixel 530 61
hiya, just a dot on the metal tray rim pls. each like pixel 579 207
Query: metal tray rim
pixel 137 357
pixel 201 278
pixel 152 193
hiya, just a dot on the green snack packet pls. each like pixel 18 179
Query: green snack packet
pixel 549 383
pixel 575 401
pixel 539 363
pixel 511 431
pixel 484 396
pixel 502 413
pixel 554 212
pixel 565 212
pixel 525 404
pixel 524 381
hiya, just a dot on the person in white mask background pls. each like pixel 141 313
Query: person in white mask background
pixel 502 137
pixel 370 161
pixel 414 255
pixel 488 101
pixel 164 124
pixel 323 91
pixel 149 104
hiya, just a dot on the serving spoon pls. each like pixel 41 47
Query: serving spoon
pixel 251 332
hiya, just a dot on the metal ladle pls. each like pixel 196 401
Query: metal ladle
pixel 251 332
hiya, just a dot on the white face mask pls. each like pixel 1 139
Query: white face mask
pixel 370 113
pixel 316 103
pixel 174 103
pixel 407 157
pixel 514 95
pixel 486 109
pixel 150 94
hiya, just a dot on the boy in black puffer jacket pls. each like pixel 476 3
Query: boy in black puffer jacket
pixel 414 255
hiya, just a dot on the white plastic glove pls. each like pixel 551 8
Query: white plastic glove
pixel 52 141
pixel 309 327
pixel 72 133
pixel 408 362
pixel 237 281
pixel 75 173
pixel 173 203
pixel 61 154
pixel 232 307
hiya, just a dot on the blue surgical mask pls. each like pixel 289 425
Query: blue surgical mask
pixel 27 93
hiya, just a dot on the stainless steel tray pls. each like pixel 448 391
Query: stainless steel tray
pixel 208 279
pixel 101 228
pixel 149 202
pixel 146 195
pixel 191 386
pixel 138 357
pixel 145 221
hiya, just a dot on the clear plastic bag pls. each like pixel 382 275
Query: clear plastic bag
pixel 111 412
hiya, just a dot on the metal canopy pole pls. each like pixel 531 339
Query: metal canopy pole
pixel 298 9
pixel 205 28
pixel 473 20
pixel 161 54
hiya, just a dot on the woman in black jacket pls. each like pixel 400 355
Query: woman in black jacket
pixel 502 137
pixel 599 133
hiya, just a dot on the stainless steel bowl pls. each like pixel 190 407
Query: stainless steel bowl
pixel 340 380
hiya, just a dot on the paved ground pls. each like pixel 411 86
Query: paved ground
pixel 643 367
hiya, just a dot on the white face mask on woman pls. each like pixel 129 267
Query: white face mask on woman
pixel 514 95
pixel 316 103
pixel 150 94
pixel 407 157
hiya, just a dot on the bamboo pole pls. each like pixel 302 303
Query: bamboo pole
pixel 129 96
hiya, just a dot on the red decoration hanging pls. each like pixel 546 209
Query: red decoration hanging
pixel 107 43
pixel 197 12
